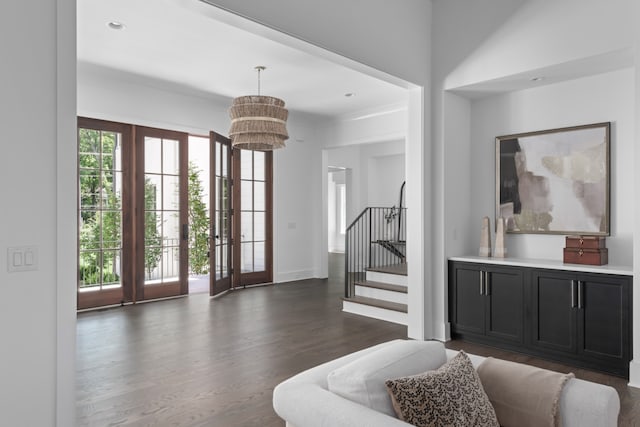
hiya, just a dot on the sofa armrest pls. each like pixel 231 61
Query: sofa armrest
pixel 309 405
pixel 587 404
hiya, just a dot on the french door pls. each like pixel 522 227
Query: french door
pixel 241 225
pixel 252 208
pixel 161 226
pixel 221 220
pixel 134 219
pixel 104 205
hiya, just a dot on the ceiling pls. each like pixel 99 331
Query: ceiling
pixel 578 68
pixel 175 42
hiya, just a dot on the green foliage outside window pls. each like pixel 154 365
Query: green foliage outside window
pixel 198 224
pixel 100 219
pixel 152 226
pixel 100 215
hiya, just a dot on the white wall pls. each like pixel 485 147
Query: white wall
pixel 112 95
pixel 378 171
pixel 335 206
pixel 634 368
pixel 27 165
pixel 66 250
pixel 459 226
pixel 600 98
pixel 386 123
pixel 298 208
pixel 384 170
pixel 450 166
pixel 349 158
pixel 35 388
pixel 332 222
pixel 385 177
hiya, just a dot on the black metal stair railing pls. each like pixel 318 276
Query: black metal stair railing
pixel 376 238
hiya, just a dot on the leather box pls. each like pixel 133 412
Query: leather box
pixel 588 256
pixel 586 242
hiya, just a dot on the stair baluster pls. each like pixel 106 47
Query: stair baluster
pixel 376 238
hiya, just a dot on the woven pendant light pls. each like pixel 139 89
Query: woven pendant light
pixel 258 122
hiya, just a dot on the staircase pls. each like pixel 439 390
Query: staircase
pixel 375 265
pixel 381 295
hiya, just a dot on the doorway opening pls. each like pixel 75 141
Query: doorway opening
pixel 199 202
pixel 337 197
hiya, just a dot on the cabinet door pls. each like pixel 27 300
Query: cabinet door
pixel 468 304
pixel 603 320
pixel 553 312
pixel 505 294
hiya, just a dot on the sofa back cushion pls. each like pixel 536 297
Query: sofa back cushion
pixel 363 380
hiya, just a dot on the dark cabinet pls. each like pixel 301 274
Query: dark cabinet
pixel 487 301
pixel 468 302
pixel 553 323
pixel 587 315
pixel 574 317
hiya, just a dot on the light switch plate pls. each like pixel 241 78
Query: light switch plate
pixel 22 258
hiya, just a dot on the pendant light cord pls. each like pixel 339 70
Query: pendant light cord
pixel 259 68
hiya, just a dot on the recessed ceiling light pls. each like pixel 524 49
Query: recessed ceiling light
pixel 537 79
pixel 115 25
pixel 349 94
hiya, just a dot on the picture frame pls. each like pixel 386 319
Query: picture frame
pixel 555 181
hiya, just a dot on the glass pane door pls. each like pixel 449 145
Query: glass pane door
pixel 101 248
pixel 163 226
pixel 199 201
pixel 254 229
pixel 221 226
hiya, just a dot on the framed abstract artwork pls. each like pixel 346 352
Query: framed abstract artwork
pixel 555 181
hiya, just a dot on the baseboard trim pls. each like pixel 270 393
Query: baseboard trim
pixel 444 333
pixel 292 276
pixel 634 374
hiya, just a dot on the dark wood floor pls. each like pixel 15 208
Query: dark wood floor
pixel 198 361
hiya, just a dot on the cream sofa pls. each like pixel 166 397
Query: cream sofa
pixel 305 400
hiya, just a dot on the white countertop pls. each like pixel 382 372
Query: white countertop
pixel 622 270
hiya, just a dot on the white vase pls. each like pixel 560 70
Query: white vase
pixel 501 249
pixel 485 238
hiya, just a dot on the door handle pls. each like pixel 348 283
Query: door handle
pixel 484 289
pixel 487 284
pixel 573 294
pixel 580 296
pixel 483 282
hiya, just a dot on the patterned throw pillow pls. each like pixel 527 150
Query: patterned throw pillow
pixel 451 396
